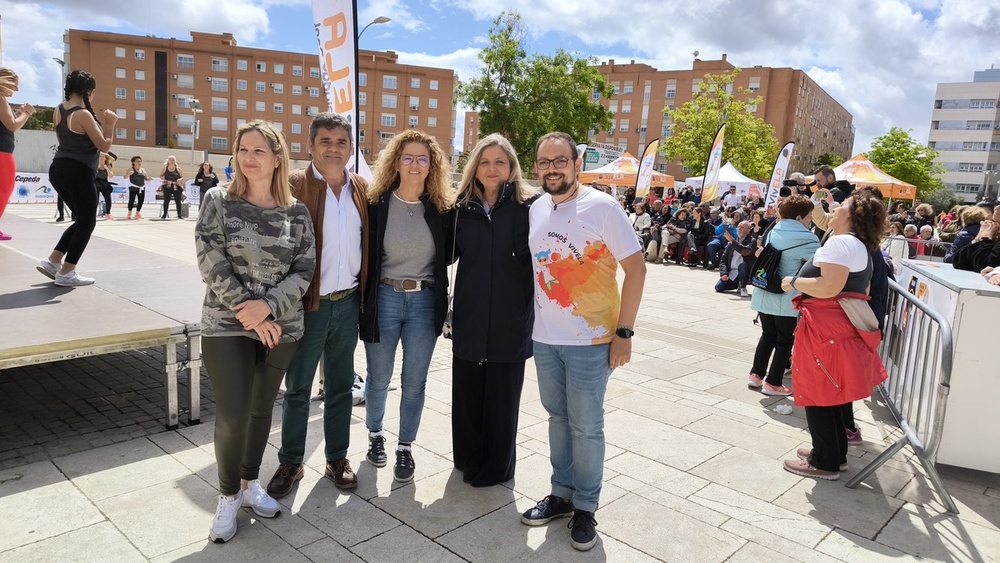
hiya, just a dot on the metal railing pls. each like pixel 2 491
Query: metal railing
pixel 929 250
pixel 917 352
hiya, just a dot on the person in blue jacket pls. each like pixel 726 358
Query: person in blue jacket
pixel 718 244
pixel 778 318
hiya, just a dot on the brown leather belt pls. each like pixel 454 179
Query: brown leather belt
pixel 406 286
pixel 338 295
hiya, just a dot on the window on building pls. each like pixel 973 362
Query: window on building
pixel 296 90
pixel 296 70
pixel 241 104
pixel 296 128
pixel 140 54
pixel 260 86
pixel 752 108
pixel 388 100
pixel 240 122
pixel 184 121
pixel 623 127
pixel 278 126
pixel 220 104
pixel 121 133
pixel 385 137
pixel 595 94
pixel 296 147
pixel 413 121
pixel 361 135
pixel 140 95
pixel 754 84
pixel 296 109
pixel 312 110
pixel 220 143
pixel 140 75
pixel 432 103
pixel 362 98
pixel 414 83
pixel 121 113
pixel 182 101
pixel 220 65
pixel 241 84
pixel 613 106
pixel 362 79
pixel 389 119
pixel 414 103
pixel 432 122
pixel 433 85
pixel 120 94
pixel 278 108
pixel 185 61
pixel 140 115
pixel 695 85
pixel 119 52
pixel 279 68
pixel 361 117
pixel 628 87
pixel 313 72
pixel 671 88
pixel 140 134
pixel 220 84
pixel 241 64
pixel 389 82
pixel 261 66
pixel 260 106
pixel 313 92
pixel 982 104
pixel 279 88
pixel 220 124
pixel 185 81
pixel 119 73
pixel 626 106
pixel 616 87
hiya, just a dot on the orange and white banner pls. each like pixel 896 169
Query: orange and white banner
pixel 644 176
pixel 335 22
pixel 778 174
pixel 710 187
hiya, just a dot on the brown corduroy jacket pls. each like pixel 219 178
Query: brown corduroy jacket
pixel 311 191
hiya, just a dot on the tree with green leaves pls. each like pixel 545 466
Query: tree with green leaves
pixel 41 120
pixel 901 156
pixel 749 143
pixel 830 159
pixel 523 97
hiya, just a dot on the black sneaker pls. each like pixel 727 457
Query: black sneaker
pixel 403 472
pixel 583 531
pixel 376 451
pixel 547 509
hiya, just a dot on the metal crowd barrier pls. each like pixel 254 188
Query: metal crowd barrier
pixel 929 250
pixel 917 352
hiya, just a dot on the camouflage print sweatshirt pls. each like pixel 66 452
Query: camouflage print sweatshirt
pixel 249 252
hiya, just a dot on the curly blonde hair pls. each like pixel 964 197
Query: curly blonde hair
pixel 8 82
pixel 470 186
pixel 386 177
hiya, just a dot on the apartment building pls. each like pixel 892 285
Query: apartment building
pixel 797 108
pixel 152 83
pixel 965 130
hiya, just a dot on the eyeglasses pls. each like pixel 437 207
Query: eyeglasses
pixel 407 160
pixel 557 163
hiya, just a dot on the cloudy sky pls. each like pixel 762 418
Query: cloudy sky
pixel 881 59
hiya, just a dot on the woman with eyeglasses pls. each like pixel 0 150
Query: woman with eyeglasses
pixel 406 300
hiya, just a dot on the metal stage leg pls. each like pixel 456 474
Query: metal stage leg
pixel 170 368
pixel 194 376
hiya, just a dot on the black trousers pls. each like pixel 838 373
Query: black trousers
pixel 486 399
pixel 74 182
pixel 169 193
pixel 777 334
pixel 829 440
pixel 245 377
pixel 105 189
pixel 136 197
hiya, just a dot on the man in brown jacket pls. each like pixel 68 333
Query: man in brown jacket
pixel 337 202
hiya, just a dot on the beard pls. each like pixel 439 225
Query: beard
pixel 560 188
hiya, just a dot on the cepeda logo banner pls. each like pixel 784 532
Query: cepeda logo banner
pixel 32 188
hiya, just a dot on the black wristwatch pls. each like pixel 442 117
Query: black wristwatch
pixel 625 332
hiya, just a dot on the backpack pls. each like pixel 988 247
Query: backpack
pixel 765 269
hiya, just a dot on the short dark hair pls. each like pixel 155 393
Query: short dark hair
pixel 329 120
pixel 826 171
pixel 135 158
pixel 795 206
pixel 872 190
pixel 559 136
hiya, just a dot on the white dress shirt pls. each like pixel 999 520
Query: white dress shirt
pixel 341 253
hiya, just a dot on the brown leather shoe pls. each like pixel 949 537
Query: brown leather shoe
pixel 341 473
pixel 284 479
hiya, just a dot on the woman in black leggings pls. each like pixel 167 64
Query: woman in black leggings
pixel 136 187
pixel 173 185
pixel 72 173
pixel 256 253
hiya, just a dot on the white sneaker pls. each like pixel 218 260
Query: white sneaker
pixel 358 390
pixel 263 505
pixel 224 524
pixel 744 293
pixel 48 268
pixel 72 279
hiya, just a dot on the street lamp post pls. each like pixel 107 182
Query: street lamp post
pixel 195 106
pixel 62 69
pixel 378 20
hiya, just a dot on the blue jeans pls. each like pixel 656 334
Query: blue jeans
pixel 331 332
pixel 408 317
pixel 740 280
pixel 715 246
pixel 572 381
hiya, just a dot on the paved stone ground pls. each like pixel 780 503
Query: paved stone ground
pixel 692 471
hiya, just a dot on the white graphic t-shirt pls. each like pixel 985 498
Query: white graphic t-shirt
pixel 576 248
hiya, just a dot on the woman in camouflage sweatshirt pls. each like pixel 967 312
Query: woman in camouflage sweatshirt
pixel 256 253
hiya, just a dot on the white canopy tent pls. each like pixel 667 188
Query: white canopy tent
pixel 730 176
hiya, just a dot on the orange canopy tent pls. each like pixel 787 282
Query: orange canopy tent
pixel 860 171
pixel 622 173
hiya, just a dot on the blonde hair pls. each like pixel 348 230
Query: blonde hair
pixel 470 185
pixel 8 82
pixel 280 189
pixel 925 210
pixel 386 177
pixel 972 215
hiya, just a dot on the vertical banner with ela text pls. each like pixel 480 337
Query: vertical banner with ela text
pixel 644 176
pixel 710 186
pixel 778 174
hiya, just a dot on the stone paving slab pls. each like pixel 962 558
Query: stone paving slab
pixel 692 469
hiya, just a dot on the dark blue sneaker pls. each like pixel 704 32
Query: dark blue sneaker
pixel 583 531
pixel 547 509
pixel 403 472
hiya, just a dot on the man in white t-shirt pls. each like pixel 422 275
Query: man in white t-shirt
pixel 732 199
pixel 578 236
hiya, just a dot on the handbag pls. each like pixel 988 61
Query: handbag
pixel 447 329
pixel 765 269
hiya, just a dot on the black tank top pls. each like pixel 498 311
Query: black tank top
pixel 136 178
pixel 171 175
pixel 74 145
pixel 6 139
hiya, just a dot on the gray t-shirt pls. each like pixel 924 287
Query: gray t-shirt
pixel 408 247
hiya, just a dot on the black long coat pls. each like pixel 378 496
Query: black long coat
pixel 493 307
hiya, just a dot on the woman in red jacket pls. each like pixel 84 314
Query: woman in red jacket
pixel 835 359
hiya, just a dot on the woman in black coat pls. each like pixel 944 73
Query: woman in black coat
pixel 493 312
